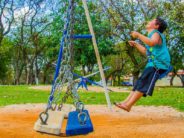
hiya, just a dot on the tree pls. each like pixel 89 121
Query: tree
pixel 119 63
pixel 31 28
pixel 6 20
pixel 175 35
pixel 83 49
pixel 6 72
pixel 6 17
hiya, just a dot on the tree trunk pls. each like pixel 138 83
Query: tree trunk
pixel 119 80
pixel 135 77
pixel 27 75
pixel 90 68
pixel 182 79
pixel 45 74
pixel 31 76
pixel 36 72
pixel 111 74
pixel 172 78
pixel 17 81
pixel 1 39
pixel 113 79
pixel 83 70
pixel 44 77
pixel 18 75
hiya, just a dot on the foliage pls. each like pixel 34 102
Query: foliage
pixel 84 52
pixel 36 30
pixel 175 35
pixel 6 71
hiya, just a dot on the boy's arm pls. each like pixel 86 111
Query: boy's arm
pixel 154 40
pixel 139 47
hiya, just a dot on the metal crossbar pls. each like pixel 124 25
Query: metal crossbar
pixel 88 36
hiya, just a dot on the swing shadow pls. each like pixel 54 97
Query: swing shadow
pixel 64 135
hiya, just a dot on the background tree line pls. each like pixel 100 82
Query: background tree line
pixel 31 30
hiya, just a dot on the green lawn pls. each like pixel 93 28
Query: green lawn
pixel 169 96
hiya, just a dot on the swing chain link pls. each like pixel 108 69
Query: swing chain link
pixel 82 116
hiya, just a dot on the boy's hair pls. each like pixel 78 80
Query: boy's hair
pixel 162 24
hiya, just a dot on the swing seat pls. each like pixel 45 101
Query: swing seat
pixel 74 127
pixel 54 122
pixel 166 72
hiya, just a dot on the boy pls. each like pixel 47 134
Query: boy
pixel 158 61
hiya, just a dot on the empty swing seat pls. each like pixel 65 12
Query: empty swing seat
pixel 54 122
pixel 88 36
pixel 74 127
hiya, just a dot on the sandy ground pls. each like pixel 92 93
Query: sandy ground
pixel 90 88
pixel 17 121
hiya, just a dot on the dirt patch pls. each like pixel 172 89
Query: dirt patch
pixel 90 88
pixel 17 121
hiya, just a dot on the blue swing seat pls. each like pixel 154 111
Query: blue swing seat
pixel 74 127
pixel 165 73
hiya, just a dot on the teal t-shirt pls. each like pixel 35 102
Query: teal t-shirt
pixel 158 55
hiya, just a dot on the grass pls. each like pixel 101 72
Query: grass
pixel 21 95
pixel 166 96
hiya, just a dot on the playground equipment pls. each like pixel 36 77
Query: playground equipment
pixel 50 120
pixel 84 80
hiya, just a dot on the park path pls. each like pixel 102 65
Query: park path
pixel 90 88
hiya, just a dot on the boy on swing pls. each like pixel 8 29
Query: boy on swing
pixel 158 61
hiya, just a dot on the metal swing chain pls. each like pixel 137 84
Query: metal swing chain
pixel 72 86
pixel 65 73
pixel 58 83
pixel 67 61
